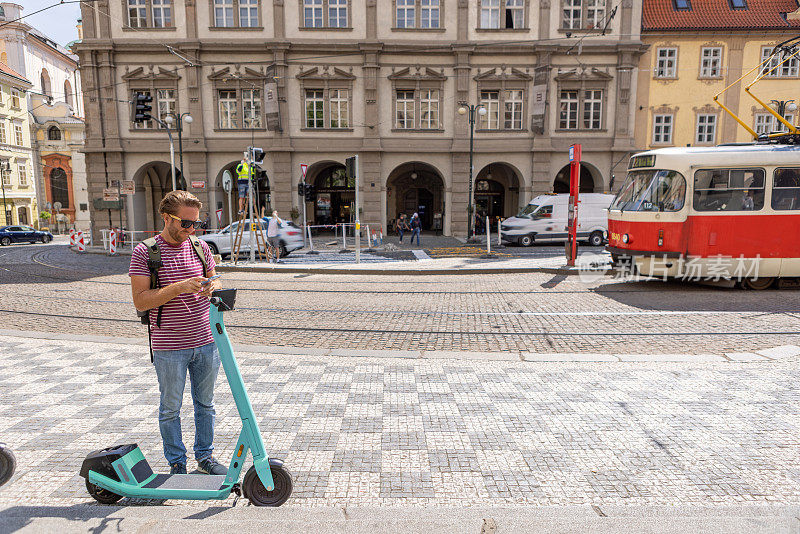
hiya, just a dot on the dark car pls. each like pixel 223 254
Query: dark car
pixel 22 234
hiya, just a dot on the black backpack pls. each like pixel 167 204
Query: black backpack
pixel 154 263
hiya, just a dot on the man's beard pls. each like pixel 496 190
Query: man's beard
pixel 176 235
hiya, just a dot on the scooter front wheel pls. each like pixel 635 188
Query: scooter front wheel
pixel 7 464
pixel 254 489
pixel 101 495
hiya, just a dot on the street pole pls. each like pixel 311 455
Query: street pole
pixel 171 152
pixel 250 202
pixel 6 166
pixel 358 217
pixel 303 201
pixel 469 195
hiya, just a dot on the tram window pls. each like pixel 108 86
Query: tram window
pixel 651 190
pixel 729 189
pixel 786 189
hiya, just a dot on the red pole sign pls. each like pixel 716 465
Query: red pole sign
pixel 572 214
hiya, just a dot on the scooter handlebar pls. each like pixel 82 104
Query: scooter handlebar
pixel 224 299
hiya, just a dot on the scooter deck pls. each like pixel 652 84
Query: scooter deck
pixel 193 481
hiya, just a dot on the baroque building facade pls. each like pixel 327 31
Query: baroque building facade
pixel 315 81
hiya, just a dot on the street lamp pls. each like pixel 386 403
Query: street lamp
pixel 183 117
pixel 782 106
pixel 165 123
pixel 463 110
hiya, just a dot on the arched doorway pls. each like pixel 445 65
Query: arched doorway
pixel 262 199
pixel 416 187
pixel 335 194
pixel 153 180
pixel 496 194
pixel 587 180
pixel 22 213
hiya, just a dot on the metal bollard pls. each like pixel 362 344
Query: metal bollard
pixel 488 237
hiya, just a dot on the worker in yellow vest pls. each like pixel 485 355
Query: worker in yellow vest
pixel 243 178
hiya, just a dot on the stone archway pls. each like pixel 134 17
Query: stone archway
pixel 496 193
pixel 153 180
pixel 591 180
pixel 416 187
pixel 334 195
pixel 262 192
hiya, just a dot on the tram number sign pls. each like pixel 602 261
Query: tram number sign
pixel 637 162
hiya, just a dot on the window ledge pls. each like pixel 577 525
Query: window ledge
pixel 584 130
pixel 582 30
pixel 326 29
pixel 665 78
pixel 499 30
pixel 236 28
pixel 240 129
pixel 150 29
pixel 419 29
pixel 710 78
pixel 501 130
pixel 326 129
pixel 417 130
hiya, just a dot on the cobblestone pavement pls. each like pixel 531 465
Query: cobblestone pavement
pixel 50 288
pixel 451 432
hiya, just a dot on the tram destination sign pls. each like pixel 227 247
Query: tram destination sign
pixel 637 162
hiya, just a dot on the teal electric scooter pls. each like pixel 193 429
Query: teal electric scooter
pixel 122 471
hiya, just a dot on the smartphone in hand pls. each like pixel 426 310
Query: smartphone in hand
pixel 210 279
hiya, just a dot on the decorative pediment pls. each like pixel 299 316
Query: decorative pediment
pixel 578 74
pixel 503 73
pixel 236 72
pixel 326 72
pixel 708 109
pixel 418 73
pixel 151 72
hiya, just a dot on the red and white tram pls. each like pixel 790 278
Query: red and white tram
pixel 716 212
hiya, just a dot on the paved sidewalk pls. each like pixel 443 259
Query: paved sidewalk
pixel 368 431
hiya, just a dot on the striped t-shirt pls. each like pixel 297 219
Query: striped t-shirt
pixel 184 319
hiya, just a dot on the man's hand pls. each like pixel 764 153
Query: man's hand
pixel 192 285
pixel 210 288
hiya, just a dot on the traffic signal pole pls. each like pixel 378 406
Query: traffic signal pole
pixel 250 171
pixel 358 215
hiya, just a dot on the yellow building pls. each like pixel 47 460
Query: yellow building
pixel 697 48
pixel 16 160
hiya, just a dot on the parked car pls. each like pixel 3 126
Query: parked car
pixel 291 237
pixel 544 219
pixel 23 234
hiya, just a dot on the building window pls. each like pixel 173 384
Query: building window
pixel 420 14
pixel 315 101
pixel 45 83
pixel 512 118
pixel 429 109
pixel 22 170
pixel 3 132
pixel 248 13
pixel 666 62
pixel 568 110
pixel 68 93
pixel 682 5
pixel 706 129
pixel 583 14
pixel 340 108
pixel 166 103
pixel 766 123
pixel 228 116
pixel 406 13
pixel 777 67
pixel 223 13
pixel 711 62
pixel 251 108
pixel 137 13
pixel 404 106
pixel 662 129
pixel 502 14
pixel 325 14
pixel 738 4
pixel 592 109
pixel 162 13
pixel 5 169
pixel 15 98
pixel 490 14
pixel 491 101
pixel 18 134
pixel 429 14
pixel 53 134
pixel 59 187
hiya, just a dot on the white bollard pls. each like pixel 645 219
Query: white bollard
pixel 344 236
pixel 499 234
pixel 112 243
pixel 369 238
pixel 80 242
pixel 488 237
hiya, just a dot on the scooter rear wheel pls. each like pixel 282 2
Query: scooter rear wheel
pixel 8 464
pixel 101 495
pixel 254 489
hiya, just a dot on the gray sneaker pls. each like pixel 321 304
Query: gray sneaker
pixel 211 466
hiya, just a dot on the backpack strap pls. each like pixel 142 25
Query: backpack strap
pixel 198 248
pixel 154 263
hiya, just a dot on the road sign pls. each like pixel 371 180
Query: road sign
pixel 110 195
pixel 227 181
pixel 304 170
pixel 198 184
pixel 128 187
pixel 57 206
pixel 219 216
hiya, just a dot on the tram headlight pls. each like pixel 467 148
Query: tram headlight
pixel 626 238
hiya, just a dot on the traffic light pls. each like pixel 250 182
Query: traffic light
pixel 141 108
pixel 350 167
pixel 300 189
pixel 311 193
pixel 258 155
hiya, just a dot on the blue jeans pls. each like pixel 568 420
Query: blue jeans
pixel 400 231
pixel 171 366
pixel 415 232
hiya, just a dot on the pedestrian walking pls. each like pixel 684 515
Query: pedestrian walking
pixel 177 293
pixel 416 227
pixel 401 225
pixel 272 236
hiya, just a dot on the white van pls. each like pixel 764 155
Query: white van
pixel 544 219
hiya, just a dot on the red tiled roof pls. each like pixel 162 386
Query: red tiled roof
pixel 718 15
pixel 5 69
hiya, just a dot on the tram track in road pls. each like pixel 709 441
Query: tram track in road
pixel 542 333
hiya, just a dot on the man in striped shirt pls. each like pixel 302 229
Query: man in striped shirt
pixel 183 341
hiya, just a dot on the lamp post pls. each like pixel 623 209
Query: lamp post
pixel 165 123
pixel 463 110
pixel 5 166
pixel 180 119
pixel 782 106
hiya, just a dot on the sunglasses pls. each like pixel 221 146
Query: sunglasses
pixel 188 224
